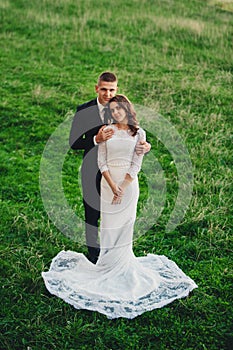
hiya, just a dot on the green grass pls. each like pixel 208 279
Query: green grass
pixel 174 57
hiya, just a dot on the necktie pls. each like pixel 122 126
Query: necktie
pixel 106 116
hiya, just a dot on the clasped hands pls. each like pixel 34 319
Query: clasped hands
pixel 118 192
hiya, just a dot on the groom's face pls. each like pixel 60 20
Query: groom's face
pixel 105 90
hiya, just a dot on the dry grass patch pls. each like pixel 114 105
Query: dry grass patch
pixel 226 5
pixel 41 93
pixel 4 4
pixel 167 24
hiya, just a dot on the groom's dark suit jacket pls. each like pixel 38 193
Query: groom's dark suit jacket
pixel 85 126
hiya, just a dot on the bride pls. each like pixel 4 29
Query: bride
pixel 120 284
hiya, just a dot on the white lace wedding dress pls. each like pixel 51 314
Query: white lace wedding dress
pixel 120 284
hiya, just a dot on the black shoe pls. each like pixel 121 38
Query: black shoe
pixel 92 258
pixel 93 254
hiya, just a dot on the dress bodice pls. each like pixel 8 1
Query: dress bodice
pixel 119 151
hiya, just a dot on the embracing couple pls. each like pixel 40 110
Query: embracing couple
pixel 112 280
pixel 88 132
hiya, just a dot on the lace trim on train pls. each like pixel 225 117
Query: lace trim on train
pixel 175 285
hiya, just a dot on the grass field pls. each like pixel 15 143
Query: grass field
pixel 174 57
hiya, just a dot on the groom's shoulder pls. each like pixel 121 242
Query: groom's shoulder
pixel 86 105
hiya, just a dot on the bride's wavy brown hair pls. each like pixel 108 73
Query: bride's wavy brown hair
pixel 124 103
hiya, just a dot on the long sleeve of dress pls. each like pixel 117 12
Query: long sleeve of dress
pixel 102 157
pixel 137 159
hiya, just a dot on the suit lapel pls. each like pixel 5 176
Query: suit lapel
pixel 97 111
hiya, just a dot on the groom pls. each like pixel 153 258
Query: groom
pixel 86 133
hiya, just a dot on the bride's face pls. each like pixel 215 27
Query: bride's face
pixel 118 113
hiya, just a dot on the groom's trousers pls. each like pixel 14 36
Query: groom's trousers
pixel 91 178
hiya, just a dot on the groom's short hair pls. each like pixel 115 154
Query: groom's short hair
pixel 107 76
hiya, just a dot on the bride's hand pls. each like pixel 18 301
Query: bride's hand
pixel 122 187
pixel 116 190
pixel 118 193
pixel 116 199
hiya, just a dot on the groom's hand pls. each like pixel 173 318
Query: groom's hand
pixel 142 147
pixel 104 134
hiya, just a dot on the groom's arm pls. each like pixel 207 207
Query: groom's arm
pixel 78 130
pixel 84 127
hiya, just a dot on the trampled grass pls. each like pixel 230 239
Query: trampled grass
pixel 174 57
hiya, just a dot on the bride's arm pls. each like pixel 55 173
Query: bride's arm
pixel 136 162
pixel 114 187
pixel 102 164
pixel 133 170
